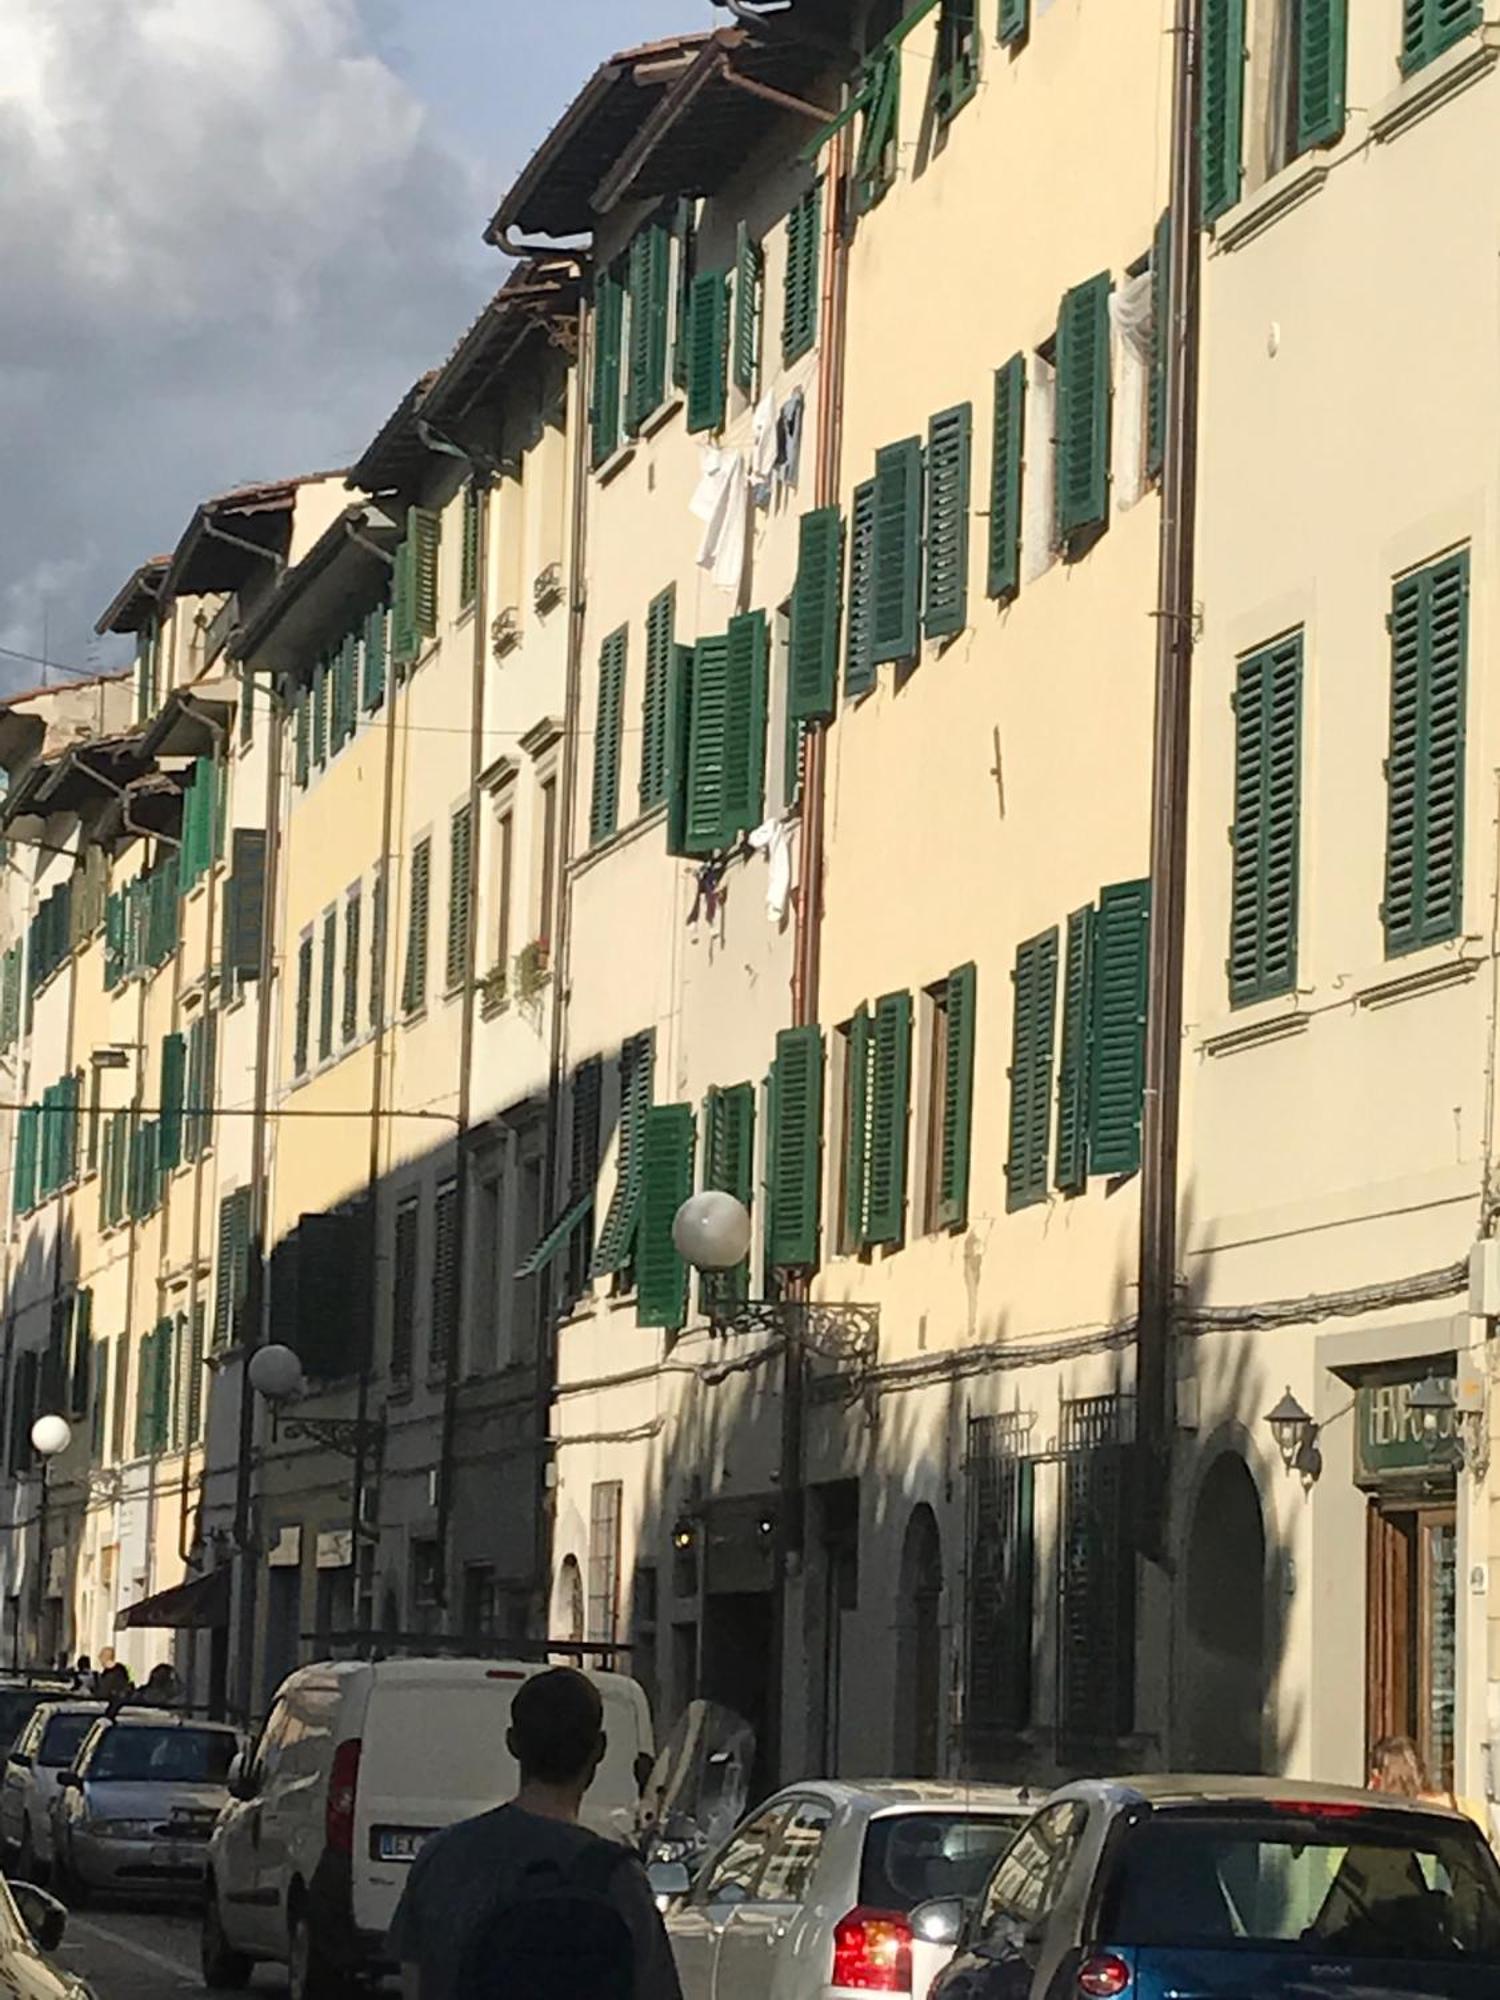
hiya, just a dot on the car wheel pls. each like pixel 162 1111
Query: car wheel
pixel 311 1976
pixel 225 1970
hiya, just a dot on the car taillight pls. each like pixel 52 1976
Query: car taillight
pixel 343 1788
pixel 1104 1976
pixel 872 1952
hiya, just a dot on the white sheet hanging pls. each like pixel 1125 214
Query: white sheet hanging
pixel 722 503
pixel 1131 314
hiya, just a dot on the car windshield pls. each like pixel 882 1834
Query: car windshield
pixel 16 1708
pixel 164 1756
pixel 910 1857
pixel 1361 1885
pixel 61 1738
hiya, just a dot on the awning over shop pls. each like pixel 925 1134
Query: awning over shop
pixel 196 1606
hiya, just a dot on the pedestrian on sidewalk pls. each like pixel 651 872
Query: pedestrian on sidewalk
pixel 523 1903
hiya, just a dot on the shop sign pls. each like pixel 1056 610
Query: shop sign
pixel 1392 1441
pixel 335 1548
pixel 285 1551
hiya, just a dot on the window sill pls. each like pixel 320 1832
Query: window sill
pixel 1430 87
pixel 609 469
pixel 663 414
pixel 1429 974
pixel 623 837
pixel 1296 183
pixel 1276 1020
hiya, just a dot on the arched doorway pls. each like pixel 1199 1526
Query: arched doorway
pixel 919 1648
pixel 1222 1683
pixel 569 1604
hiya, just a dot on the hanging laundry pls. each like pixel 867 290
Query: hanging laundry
pixel 789 426
pixel 722 503
pixel 773 838
pixel 765 450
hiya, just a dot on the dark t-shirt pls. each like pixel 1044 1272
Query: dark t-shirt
pixel 463 1873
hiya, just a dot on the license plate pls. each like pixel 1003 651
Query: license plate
pixel 399 1843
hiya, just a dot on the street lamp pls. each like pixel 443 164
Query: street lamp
pixel 50 1437
pixel 1296 1436
pixel 1436 1407
pixel 276 1377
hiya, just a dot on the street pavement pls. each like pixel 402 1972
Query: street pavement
pixel 142 1954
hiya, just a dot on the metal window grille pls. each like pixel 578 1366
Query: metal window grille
pixel 604 1561
pixel 1096 1573
pixel 999 1616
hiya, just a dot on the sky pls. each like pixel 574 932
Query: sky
pixel 231 234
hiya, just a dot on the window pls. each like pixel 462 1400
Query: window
pixel 957 69
pixel 414 990
pixel 896 554
pixel 379 922
pixel 198 1105
pixel 1223 87
pixel 460 896
pixel 377 639
pixel 153 1392
pixel 667 1145
pixel 949 453
pixel 80 1374
pixel 1309 58
pixel 404 1287
pixel 1083 409
pixel 547 873
pixel 302 765
pixel 854 1130
pixel 481 1601
pixel 660 619
pixel 708 351
pixel 717 776
pixel 1267 813
pixel 414 588
pixel 1032 1041
pixel 1096 1611
pixel 350 1020
pixel 329 983
pixel 1430 26
pixel 1000 1609
pixel 804 244
pixel 749 310
pixel 173 1083
pixel 303 1030
pixel 1429 626
pixel 604 1561
pixel 789 1871
pixel 445 1280
pixel 889 1106
pixel 1015 21
pixel 202 831
pixel 729 1164
pixel 233 1268
pixel 505 856
pixel 794 1156
pixel 733 1877
pixel 468 567
pixel 616 1245
pixel 685 235
pixel 609 330
pixel 816 616
pixel 1026 1887
pixel 649 263
pixel 1007 456
pixel 604 809
pixel 859 637
pixel 950 1096
pixel 880 128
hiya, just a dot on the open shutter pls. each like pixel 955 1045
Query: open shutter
pixel 604 806
pixel 749 285
pixel 708 351
pixel 328 983
pixel 320 714
pixel 898 550
pixel 468 568
pixel 816 608
pixel 1430 26
pixel 404 637
pixel 1265 835
pixel 958 1099
pixel 609 328
pixel 460 898
pixel 414 992
pixel 1032 1039
pixel 1322 64
pixel 246 902
pixel 302 767
pixel 1425 768
pixel 617 1238
pixel 857 1133
pixel 349 1019
pixel 1008 448
pixel 667 1142
pixel 660 619
pixel 679 745
pixel 804 235
pixel 1118 1059
pixel 890 1097
pixel 685 235
pixel 1222 115
pixel 27 1127
pixel 729 1164
pixel 795 1156
pixel 173 1077
pixel 425 531
pixel 372 690
pixel 649 261
pixel 1083 408
pixel 83 1353
pixel 879 138
pixel 748 643
pixel 949 453
pixel 1072 1169
pixel 1161 328
pixel 704 816
pixel 859 639
pixel 1015 19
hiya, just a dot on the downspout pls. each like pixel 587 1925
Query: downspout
pixel 1155 1376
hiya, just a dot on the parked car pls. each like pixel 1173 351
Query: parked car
pixel 1141 1889
pixel 137 1807
pixel 21 1695
pixel 358 1763
pixel 32 1924
pixel 44 1749
pixel 814 1891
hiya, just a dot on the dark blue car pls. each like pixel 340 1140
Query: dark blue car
pixel 1228 1889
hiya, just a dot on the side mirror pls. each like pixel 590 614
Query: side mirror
pixel 940 1921
pixel 669 1881
pixel 43 1915
pixel 241 1782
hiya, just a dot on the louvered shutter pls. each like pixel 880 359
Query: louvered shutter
pixel 685 236
pixel 1008 446
pixel 604 808
pixel 404 637
pixel 795 1152
pixel 1222 116
pixel 83 1353
pixel 679 745
pixel 609 329
pixel 897 552
pixel 1267 812
pixel 27 1127
pixel 958 1098
pixel 303 754
pixel 145 1378
pixel 880 134
pixel 1425 768
pixel 246 902
pixel 414 992
pixel 468 567
pixel 708 351
pixel 379 926
pixel 1083 408
pixel 667 1140
pixel 856 1161
pixel 704 814
pixel 404 1289
pixel 302 1040
pixel 173 1077
pixel 660 618
pixel 1161 329
pixel 106 1172
pixel 1118 1057
pixel 617 1237
pixel 195 1359
pixel 890 1097
pixel 1015 19
pixel 1072 1168
pixel 949 454
pixel 373 672
pixel 729 1165
pixel 649 270
pixel 1430 26
pixel 161 1387
pixel 749 283
pixel 1032 1040
pixel 327 984
pixel 320 714
pixel 349 1021
pixel 1322 64
pixel 445 1280
pixel 748 657
pixel 460 895
pixel 859 638
pixel 583 1163
pixel 425 529
pixel 348 686
pixel 804 231
pixel 816 615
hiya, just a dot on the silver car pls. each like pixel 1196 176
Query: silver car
pixel 44 1749
pixel 136 1810
pixel 810 1896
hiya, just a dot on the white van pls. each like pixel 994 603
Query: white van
pixel 358 1762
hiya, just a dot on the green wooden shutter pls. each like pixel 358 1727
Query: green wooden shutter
pixel 302 710
pixel 897 561
pixel 405 641
pixel 957 67
pixel 27 1126
pixel 1015 19
pixel 1032 1040
pixel 320 715
pixel 372 688
pixel 1007 457
pixel 667 1141
pixel 328 983
pixel 729 1164
pixel 173 1077
pixel 1322 65
pixel 804 241
pixel 952 1206
pixel 708 351
pixel 679 745
pixel 617 1238
pixel 748 662
pixel 1430 26
pixel 649 273
pixel 460 896
pixel 145 1375
pixel 1083 413
pixel 83 1352
pixel 349 1024
pixel 1161 330
pixel 1222 116
pixel 1072 1169
pixel 660 620
pixel 749 287
pixel 945 607
pixel 859 638
pixel 425 530
pixel 1425 768
pixel 245 905
pixel 468 567
pixel 795 1156
pixel 890 1103
pixel 685 236
pixel 414 992
pixel 379 920
pixel 604 807
pixel 1118 1057
pixel 857 1130
pixel 817 608
pixel 302 1041
pixel 876 161
pixel 195 1360
pixel 609 328
pixel 348 698
pixel 1265 837
pixel 161 1387
pixel 704 808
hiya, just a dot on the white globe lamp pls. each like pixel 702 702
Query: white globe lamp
pixel 712 1231
pixel 51 1435
pixel 276 1374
